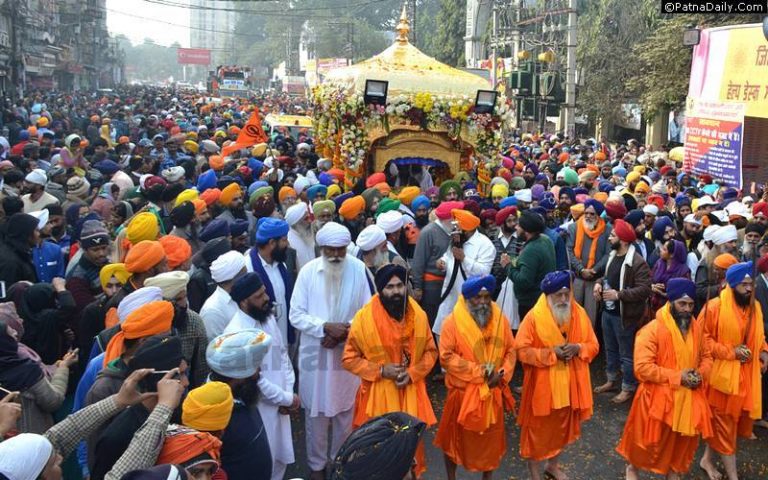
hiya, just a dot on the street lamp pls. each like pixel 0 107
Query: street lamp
pixel 691 36
pixel 376 92
pixel 485 101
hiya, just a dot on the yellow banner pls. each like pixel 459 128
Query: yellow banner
pixel 745 71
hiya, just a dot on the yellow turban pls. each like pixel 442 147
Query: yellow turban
pixel 332 191
pixel 259 150
pixel 116 270
pixel 323 206
pixel 144 226
pixel 499 190
pixel 577 210
pixel 633 177
pixel 601 197
pixel 642 187
pixel 208 408
pixel 189 194
pixel 639 169
pixel 229 193
pixel 191 146
pixel 408 194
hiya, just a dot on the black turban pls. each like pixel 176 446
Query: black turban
pixel 531 222
pixel 246 286
pixel 182 214
pixel 385 274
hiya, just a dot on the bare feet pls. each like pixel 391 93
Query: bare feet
pixel 631 473
pixel 555 472
pixel 622 397
pixel 606 387
pixel 710 469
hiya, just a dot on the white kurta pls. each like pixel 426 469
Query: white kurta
pixel 217 312
pixel 305 251
pixel 275 384
pixel 479 254
pixel 325 387
pixel 281 308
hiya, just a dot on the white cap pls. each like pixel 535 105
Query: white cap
pixel 42 218
pixel 371 237
pixel 691 218
pixel 37 176
pixel 651 210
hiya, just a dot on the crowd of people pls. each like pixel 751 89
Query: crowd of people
pixel 170 311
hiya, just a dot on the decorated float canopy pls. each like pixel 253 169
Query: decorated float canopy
pixel 429 117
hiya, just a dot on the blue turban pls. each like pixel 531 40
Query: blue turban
pixel 341 198
pixel 710 189
pixel 255 186
pixel 420 201
pixel 548 202
pixel 473 285
pixel 580 191
pixel 682 199
pixel 659 226
pixel 678 288
pixel 568 191
pixel 269 228
pixel 619 171
pixel 24 135
pixel 316 191
pixel 246 286
pixel 508 202
pixel 599 207
pixel 730 193
pixel 238 227
pixel 654 176
pixel 542 177
pixel 107 167
pixel 256 166
pixel 737 273
pixel 470 186
pixel 556 281
pixel 325 179
pixel 206 180
pixel 605 186
pixel 634 217
pixel 217 228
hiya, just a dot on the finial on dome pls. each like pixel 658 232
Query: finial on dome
pixel 403 27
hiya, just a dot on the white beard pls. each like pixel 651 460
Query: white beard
pixel 381 258
pixel 747 248
pixel 304 231
pixel 333 273
pixel 561 314
pixel 590 224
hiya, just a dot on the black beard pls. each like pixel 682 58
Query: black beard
pixel 422 221
pixel 57 231
pixel 742 300
pixel 506 229
pixel 259 314
pixel 179 317
pixel 394 305
pixel 683 319
pixel 239 212
pixel 615 246
pixel 434 203
pixel 279 254
pixel 247 392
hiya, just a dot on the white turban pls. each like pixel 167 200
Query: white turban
pixel 42 218
pixel 37 176
pixel 173 174
pixel 738 208
pixel 136 299
pixel 524 195
pixel 227 266
pixel 171 283
pixel 659 187
pixel 371 237
pixel 724 235
pixel 300 184
pixel 24 456
pixel 390 222
pixel 296 213
pixel 209 146
pixel 238 354
pixel 303 146
pixel 651 210
pixel 691 218
pixel 333 235
pixel 709 232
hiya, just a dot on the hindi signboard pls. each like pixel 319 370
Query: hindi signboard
pixel 193 56
pixel 713 139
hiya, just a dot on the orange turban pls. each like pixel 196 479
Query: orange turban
pixel 208 408
pixel 229 193
pixel 601 197
pixel 143 256
pixel 286 192
pixel 466 220
pixel 352 207
pixel 185 444
pixel 200 205
pixel 216 162
pixel 177 250
pixel 153 318
pixel 577 210
pixel 600 157
pixel 642 187
pixel 593 168
pixel 337 173
pixel 725 261
pixel 408 194
pixel 211 196
pixel 384 188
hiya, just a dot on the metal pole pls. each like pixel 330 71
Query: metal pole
pixel 494 43
pixel 570 74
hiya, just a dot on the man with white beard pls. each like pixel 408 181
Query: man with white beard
pixel 752 235
pixel 300 237
pixel 328 293
pixel 373 249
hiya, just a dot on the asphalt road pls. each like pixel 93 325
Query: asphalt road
pixel 591 457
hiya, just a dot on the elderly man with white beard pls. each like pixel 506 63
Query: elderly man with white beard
pixel 328 293
pixel 300 236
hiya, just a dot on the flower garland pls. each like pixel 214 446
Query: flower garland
pixel 337 111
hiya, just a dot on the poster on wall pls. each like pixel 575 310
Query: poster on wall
pixel 713 139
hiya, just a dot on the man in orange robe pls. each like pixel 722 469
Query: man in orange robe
pixel 555 344
pixel 670 409
pixel 390 347
pixel 733 331
pixel 477 352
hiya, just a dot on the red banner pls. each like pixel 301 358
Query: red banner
pixel 193 56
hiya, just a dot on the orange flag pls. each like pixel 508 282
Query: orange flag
pixel 251 134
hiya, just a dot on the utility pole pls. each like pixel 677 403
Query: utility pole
pixel 494 43
pixel 570 73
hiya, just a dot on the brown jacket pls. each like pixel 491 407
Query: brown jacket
pixel 635 288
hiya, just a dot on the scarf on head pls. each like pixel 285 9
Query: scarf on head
pixel 564 387
pixel 287 281
pixel 479 405
pixel 725 376
pixel 384 396
pixel 16 373
pixel 594 235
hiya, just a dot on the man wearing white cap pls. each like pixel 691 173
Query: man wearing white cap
pixel 392 224
pixel 372 249
pixel 707 282
pixel 524 198
pixel 692 234
pixel 35 197
pixel 651 212
pixel 706 205
pixel 327 295
pixel 219 308
pixel 300 236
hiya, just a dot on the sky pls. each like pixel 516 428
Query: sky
pixel 137 20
